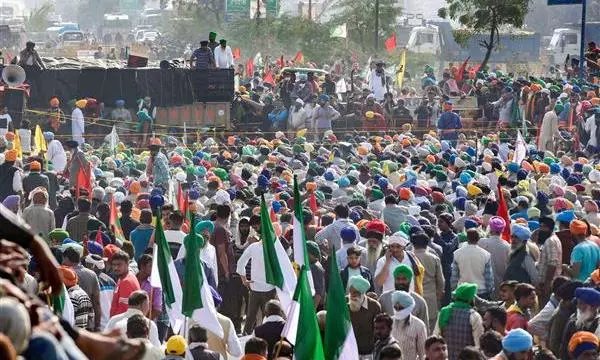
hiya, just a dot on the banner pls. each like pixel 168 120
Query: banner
pixel 401 69
pixel 564 2
pixel 340 31
pixel 237 6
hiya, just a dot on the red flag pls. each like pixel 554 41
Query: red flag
pixel 268 78
pixel 503 213
pixel 272 214
pixel 250 68
pixel 390 43
pixel 181 201
pixel 299 57
pixel 237 54
pixel 312 202
pixel 461 70
pixel 84 180
pixel 99 236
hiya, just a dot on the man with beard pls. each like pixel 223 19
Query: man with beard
pixel 516 345
pixel 585 319
pixel 550 257
pixel 583 345
pixel 494 318
pixel 566 308
pixel 402 277
pixel 394 257
pixel 521 266
pixel 363 310
pixel 585 257
pixel 458 322
pixel 409 330
pixel 375 230
pixel 382 326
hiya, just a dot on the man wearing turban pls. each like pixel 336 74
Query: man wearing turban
pixel 82 305
pixel 458 322
pixel 585 257
pixel 516 345
pixel 583 345
pixel 363 310
pixel 409 330
pixel 498 249
pixel 586 318
pixel 549 129
pixel 403 276
pixel 521 266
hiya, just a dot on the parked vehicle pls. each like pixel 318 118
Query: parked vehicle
pixel 567 41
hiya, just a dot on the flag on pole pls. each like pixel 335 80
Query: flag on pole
pixel 258 60
pixel 299 58
pixel 302 316
pixel 237 54
pixel 249 68
pixel 268 78
pixel 181 200
pixel 113 139
pixel 520 149
pixel 63 306
pixel 164 276
pixel 197 298
pixel 340 342
pixel 281 62
pixel 279 271
pixel 401 69
pixel 17 145
pixel 84 180
pixel 114 220
pixel 503 213
pixel 298 237
pixel 390 43
pixel 340 31
pixel 39 141
pixel 461 70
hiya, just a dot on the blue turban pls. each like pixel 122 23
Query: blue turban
pixel 355 216
pixel 266 173
pixel 572 180
pixel 348 235
pixel 205 225
pixel 459 203
pixel 542 198
pixel 565 216
pixel 343 182
pixel 533 225
pixel 157 201
pixel 517 340
pixel 554 168
pixel 359 284
pixel 589 296
pixel 156 191
pixel 565 173
pixel 471 151
pixel 48 136
pixel 193 194
pixel 120 103
pixel 403 299
pixel 470 224
pixel 522 174
pixel 383 183
pixel 513 167
pixel 324 98
pixel 465 178
pixel 521 232
pixel 94 248
pixel 262 181
pixel 328 176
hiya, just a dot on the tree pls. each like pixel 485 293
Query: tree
pixel 485 16
pixel 358 17
pixel 37 21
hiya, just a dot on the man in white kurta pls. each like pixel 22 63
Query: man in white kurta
pixel 549 129
pixel 77 122
pixel 56 153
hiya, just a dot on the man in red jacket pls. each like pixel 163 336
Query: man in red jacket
pixel 518 313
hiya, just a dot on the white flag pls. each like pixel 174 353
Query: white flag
pixel 520 149
pixel 340 31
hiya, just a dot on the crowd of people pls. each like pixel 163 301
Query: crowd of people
pixel 448 246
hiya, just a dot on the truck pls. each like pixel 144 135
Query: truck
pixel 567 41
pixel 436 37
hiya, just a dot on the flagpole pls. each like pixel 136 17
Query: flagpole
pixel 280 342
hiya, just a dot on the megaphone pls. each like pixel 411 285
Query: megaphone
pixel 13 75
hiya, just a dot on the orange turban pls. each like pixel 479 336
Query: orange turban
pixel 591 94
pixel 10 136
pixel 311 186
pixel 10 155
pixel 69 275
pixel 404 193
pixel 581 341
pixel 596 276
pixel 135 187
pixel 595 101
pixel 578 227
pixel 536 87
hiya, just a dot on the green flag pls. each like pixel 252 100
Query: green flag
pixel 302 317
pixel 164 259
pixel 340 342
pixel 192 274
pixel 273 273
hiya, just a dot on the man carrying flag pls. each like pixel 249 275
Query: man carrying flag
pixel 271 271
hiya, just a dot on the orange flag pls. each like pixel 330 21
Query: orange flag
pixel 114 220
pixel 84 180
pixel 237 54
pixel 268 78
pixel 299 57
pixel 390 43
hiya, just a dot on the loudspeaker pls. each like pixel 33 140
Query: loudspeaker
pixel 214 85
pixel 135 61
pixel 14 100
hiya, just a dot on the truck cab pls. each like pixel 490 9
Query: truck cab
pixel 424 40
pixel 564 41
